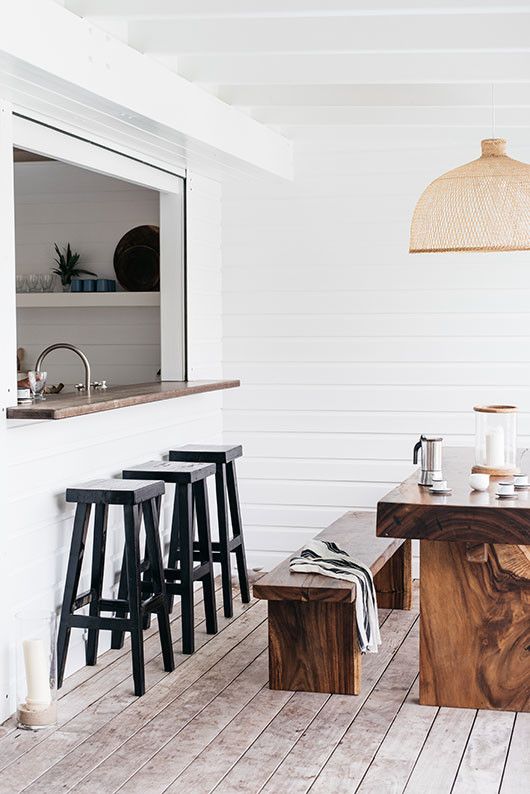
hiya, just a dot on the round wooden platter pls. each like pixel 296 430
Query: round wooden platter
pixel 506 471
pixel 137 259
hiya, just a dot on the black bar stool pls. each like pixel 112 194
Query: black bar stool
pixel 137 498
pixel 225 485
pixel 191 496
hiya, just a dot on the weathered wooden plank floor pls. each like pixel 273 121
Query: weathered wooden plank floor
pixel 213 726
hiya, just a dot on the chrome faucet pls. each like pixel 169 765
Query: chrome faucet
pixel 67 346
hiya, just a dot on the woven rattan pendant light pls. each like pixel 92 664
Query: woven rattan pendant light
pixel 481 206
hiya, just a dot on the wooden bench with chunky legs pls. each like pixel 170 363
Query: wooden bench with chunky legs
pixel 313 643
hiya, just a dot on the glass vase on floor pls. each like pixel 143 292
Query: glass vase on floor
pixel 36 669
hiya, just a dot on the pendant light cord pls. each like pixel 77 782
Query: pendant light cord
pixel 493 111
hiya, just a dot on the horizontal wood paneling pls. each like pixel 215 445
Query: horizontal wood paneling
pixel 383 373
pixel 347 326
pixel 376 398
pixel 347 346
pixel 59 203
pixel 388 348
pixel 484 300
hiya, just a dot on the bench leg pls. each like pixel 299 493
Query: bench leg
pixel 313 647
pixel 393 582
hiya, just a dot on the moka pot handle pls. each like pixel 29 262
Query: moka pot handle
pixel 417 448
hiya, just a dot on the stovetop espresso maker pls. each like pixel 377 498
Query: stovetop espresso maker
pixel 431 459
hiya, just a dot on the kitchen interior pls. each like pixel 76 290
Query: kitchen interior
pixel 115 324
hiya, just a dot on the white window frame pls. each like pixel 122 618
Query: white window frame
pixel 33 136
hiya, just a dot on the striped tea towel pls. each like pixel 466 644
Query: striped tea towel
pixel 325 557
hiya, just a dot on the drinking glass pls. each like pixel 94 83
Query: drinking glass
pixel 37 382
pixel 22 283
pixel 45 282
pixel 33 282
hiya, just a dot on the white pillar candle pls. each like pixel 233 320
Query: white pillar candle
pixel 37 673
pixel 495 447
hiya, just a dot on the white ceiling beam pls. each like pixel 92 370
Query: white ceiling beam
pixel 407 95
pixel 481 118
pixel 334 34
pixel 346 69
pixel 44 47
pixel 282 8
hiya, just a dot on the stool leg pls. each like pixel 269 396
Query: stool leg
pixel 132 553
pixel 174 543
pixel 156 567
pixel 237 530
pixel 224 552
pixel 185 524
pixel 147 579
pixel 116 635
pixel 205 548
pixel 96 586
pixel 75 561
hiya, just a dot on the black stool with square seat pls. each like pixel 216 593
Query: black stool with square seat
pixel 225 486
pixel 137 498
pixel 191 498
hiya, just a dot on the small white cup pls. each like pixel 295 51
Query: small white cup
pixel 505 488
pixel 479 482
pixel 520 479
pixel 439 485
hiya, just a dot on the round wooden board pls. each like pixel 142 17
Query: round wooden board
pixel 506 472
pixel 137 259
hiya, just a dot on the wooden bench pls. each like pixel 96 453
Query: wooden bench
pixel 313 643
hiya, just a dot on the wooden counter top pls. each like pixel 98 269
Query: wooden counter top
pixel 64 406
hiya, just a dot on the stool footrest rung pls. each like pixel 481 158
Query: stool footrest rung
pixel 233 544
pixel 83 600
pixel 152 604
pixel 198 573
pixel 112 604
pixel 97 622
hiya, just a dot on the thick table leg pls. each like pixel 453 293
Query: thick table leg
pixel 313 647
pixel 475 627
pixel 393 582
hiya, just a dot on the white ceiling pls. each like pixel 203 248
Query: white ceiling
pixel 410 65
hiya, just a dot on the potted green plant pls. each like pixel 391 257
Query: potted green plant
pixel 67 269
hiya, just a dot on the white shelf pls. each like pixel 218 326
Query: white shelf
pixel 26 300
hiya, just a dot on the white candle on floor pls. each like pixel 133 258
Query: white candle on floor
pixel 37 673
pixel 495 447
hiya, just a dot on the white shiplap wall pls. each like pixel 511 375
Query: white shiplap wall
pixel 45 457
pixel 348 347
pixel 57 202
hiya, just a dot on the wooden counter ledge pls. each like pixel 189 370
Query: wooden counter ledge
pixel 64 406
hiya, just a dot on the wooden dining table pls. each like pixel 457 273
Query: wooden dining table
pixel 474 587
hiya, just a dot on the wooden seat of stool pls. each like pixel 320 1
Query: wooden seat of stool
pixel 171 471
pixel 115 492
pixel 208 453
